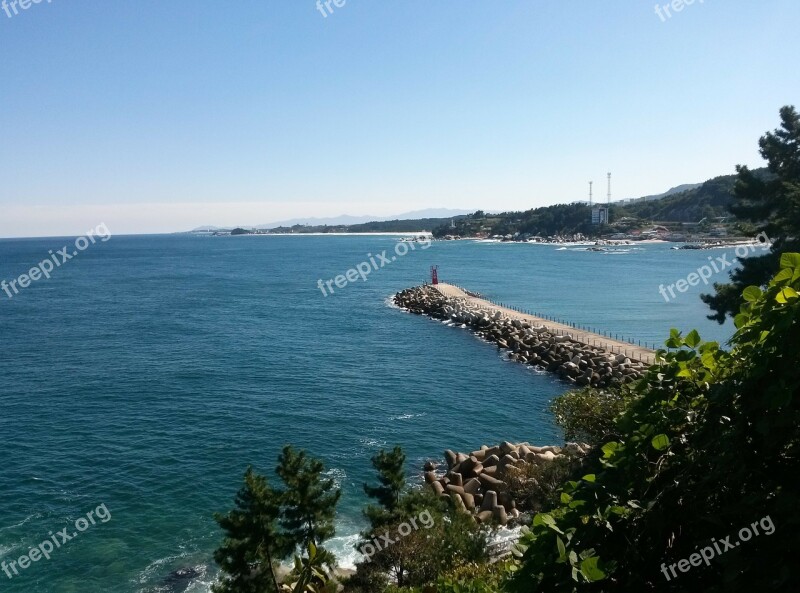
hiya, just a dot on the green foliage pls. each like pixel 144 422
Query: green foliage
pixel 710 200
pixel 247 554
pixel 310 574
pixel 468 578
pixel 267 525
pixel 772 205
pixel 440 538
pixel 419 558
pixel 710 445
pixel 309 502
pixel 536 487
pixel 588 415
pixel 368 578
pixel 545 221
pixel 392 478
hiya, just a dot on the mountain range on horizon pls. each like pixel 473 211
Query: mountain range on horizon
pixel 428 213
pixel 346 219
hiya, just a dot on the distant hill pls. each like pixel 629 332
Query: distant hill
pixel 684 203
pixel 709 200
pixel 690 202
pixel 377 226
pixel 346 220
pixel 206 229
pixel 672 191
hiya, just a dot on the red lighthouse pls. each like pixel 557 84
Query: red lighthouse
pixel 434 275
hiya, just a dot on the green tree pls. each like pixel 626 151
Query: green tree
pixel 248 552
pixel 392 478
pixel 310 574
pixel 710 446
pixel 588 415
pixel 772 204
pixel 428 536
pixel 309 501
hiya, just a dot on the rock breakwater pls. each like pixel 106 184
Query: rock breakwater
pixel 573 361
pixel 481 482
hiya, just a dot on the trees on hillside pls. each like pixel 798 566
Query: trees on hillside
pixel 267 525
pixel 252 543
pixel 309 500
pixel 771 205
pixel 709 448
pixel 392 478
pixel 414 536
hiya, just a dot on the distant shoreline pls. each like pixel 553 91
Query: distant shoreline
pixel 381 233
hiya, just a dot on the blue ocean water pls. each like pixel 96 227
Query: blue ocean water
pixel 148 372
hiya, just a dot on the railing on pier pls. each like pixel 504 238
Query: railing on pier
pixel 587 340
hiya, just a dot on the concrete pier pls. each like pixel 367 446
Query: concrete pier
pixel 633 352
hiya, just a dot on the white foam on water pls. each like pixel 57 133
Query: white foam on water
pixel 21 523
pixel 202 583
pixel 152 577
pixel 408 416
pixel 371 443
pixel 338 476
pixel 389 302
pixel 343 547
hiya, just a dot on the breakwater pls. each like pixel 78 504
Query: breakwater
pixel 482 482
pixel 582 360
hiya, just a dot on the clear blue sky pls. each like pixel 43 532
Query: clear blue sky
pixel 155 116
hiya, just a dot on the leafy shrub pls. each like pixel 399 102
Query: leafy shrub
pixel 418 558
pixel 368 578
pixel 473 578
pixel 537 487
pixel 588 415
pixel 710 445
pixel 447 538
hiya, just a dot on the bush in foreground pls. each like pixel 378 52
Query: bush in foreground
pixel 711 446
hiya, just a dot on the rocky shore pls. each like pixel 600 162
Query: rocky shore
pixel 480 482
pixel 573 361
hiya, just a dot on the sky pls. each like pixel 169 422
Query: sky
pixel 161 116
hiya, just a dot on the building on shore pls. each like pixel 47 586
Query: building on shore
pixel 600 215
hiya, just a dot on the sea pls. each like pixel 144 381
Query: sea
pixel 141 379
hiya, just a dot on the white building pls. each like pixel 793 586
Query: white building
pixel 600 215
